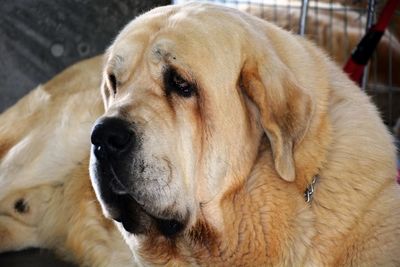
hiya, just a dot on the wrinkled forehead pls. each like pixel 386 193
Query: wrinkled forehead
pixel 194 35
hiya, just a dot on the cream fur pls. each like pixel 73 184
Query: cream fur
pixel 317 122
pixel 44 149
pixel 259 85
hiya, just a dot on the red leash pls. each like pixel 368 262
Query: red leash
pixel 363 52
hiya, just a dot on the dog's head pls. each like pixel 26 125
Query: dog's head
pixel 189 93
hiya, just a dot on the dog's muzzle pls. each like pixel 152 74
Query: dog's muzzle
pixel 114 147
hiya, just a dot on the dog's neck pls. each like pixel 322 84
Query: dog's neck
pixel 259 218
pixel 311 154
pixel 255 214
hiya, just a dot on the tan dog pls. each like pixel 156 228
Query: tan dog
pixel 46 199
pixel 338 31
pixel 216 123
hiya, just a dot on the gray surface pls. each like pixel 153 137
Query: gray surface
pixel 38 39
pixel 32 258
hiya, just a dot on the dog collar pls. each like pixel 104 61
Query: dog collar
pixel 308 194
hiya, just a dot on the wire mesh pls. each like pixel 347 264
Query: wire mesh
pixel 337 26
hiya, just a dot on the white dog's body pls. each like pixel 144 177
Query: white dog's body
pixel 61 113
pixel 45 196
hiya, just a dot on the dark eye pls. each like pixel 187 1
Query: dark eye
pixel 113 82
pixel 21 206
pixel 175 83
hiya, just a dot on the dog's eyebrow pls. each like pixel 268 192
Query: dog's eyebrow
pixel 184 72
pixel 160 52
pixel 116 62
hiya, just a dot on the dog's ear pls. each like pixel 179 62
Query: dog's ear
pixel 285 109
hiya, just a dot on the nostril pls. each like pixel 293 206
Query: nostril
pixel 118 141
pixel 111 137
pixel 96 136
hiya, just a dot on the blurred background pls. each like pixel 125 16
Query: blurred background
pixel 39 38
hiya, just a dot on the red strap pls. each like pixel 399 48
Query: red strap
pixel 353 67
pixel 354 70
pixel 386 15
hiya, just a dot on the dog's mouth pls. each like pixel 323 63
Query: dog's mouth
pixel 137 220
pixel 132 213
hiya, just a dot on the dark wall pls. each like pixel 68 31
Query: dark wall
pixel 39 38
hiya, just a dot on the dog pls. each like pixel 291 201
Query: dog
pixel 46 199
pixel 337 27
pixel 228 141
pixel 338 31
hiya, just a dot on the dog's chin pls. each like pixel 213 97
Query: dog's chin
pixel 119 205
pixel 137 220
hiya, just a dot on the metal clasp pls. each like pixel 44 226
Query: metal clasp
pixel 308 194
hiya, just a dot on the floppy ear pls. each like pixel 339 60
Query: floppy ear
pixel 285 109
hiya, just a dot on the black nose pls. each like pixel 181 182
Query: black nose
pixel 112 137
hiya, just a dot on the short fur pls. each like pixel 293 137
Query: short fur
pixel 44 166
pixel 271 112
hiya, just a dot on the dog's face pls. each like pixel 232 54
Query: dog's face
pixel 182 125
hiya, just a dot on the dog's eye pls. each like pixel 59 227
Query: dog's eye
pixel 175 83
pixel 113 82
pixel 21 206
